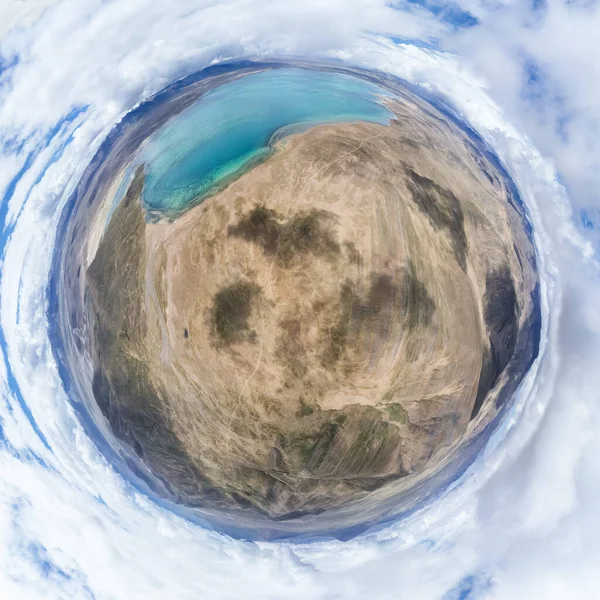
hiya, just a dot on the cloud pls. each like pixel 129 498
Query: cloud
pixel 540 59
pixel 522 523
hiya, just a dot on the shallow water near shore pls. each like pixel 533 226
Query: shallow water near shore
pixel 230 128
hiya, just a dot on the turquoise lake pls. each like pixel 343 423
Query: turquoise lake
pixel 230 127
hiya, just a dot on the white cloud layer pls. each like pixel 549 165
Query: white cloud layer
pixel 523 522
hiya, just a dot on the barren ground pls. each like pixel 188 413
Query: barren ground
pixel 333 319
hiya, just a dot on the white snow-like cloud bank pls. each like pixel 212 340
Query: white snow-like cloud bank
pixel 523 522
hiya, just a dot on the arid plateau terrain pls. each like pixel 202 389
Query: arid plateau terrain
pixel 334 319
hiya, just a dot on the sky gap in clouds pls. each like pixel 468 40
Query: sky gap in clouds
pixel 446 12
